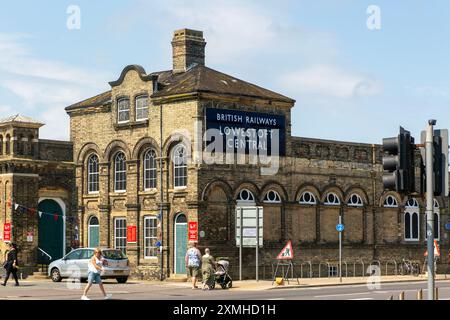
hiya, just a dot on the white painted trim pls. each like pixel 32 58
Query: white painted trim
pixel 175 239
pixel 143 236
pixel 61 203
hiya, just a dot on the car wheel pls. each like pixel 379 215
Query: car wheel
pixel 122 279
pixel 56 275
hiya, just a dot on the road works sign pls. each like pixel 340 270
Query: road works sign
pixel 287 253
pixel 437 251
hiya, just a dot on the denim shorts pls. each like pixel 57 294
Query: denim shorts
pixel 94 277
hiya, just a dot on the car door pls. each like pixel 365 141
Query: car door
pixel 83 261
pixel 68 263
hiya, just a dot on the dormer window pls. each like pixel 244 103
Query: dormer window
pixel 141 108
pixel 123 110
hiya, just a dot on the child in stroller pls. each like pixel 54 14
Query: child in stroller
pixel 222 276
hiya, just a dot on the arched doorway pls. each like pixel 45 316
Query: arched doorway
pixel 93 234
pixel 51 230
pixel 180 241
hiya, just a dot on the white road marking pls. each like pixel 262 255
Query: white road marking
pixel 341 294
pixel 362 299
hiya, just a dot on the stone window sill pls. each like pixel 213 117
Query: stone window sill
pixel 131 125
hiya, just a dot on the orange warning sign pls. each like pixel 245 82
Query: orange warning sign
pixel 437 251
pixel 287 253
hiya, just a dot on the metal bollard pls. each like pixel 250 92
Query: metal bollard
pixel 401 296
pixel 420 294
pixel 436 294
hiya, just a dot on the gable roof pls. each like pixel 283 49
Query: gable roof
pixel 93 101
pixel 206 80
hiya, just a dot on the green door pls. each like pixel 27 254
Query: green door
pixel 51 231
pixel 181 235
pixel 93 233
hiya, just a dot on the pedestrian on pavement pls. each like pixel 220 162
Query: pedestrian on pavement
pixel 95 268
pixel 11 264
pixel 192 260
pixel 208 269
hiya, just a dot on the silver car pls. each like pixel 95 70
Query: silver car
pixel 75 265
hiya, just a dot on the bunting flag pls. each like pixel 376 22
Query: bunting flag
pixel 23 210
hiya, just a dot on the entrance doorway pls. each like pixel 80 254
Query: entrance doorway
pixel 181 235
pixel 51 231
pixel 93 235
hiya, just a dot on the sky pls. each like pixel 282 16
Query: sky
pixel 357 73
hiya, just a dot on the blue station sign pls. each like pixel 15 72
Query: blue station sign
pixel 256 132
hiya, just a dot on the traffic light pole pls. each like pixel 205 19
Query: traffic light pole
pixel 429 210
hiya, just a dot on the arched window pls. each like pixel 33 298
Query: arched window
pixel 272 197
pixel 150 169
pixel 93 174
pixel 120 173
pixel 141 108
pixel 30 145
pixel 246 195
pixel 19 145
pixel 307 198
pixel 93 235
pixel 332 199
pixel 180 166
pixel 1 145
pixel 390 202
pixel 123 110
pixel 355 201
pixel 412 224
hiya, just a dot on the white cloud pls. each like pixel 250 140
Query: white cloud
pixel 430 91
pixel 329 81
pixel 46 87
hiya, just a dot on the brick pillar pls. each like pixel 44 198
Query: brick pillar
pixel 104 221
pixel 133 209
pixel 166 238
pixel 82 232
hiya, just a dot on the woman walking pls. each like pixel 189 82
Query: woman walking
pixel 11 264
pixel 208 268
pixel 192 260
pixel 94 268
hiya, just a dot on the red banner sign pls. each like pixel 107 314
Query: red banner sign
pixel 7 232
pixel 193 231
pixel 131 234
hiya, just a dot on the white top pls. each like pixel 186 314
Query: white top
pixel 98 262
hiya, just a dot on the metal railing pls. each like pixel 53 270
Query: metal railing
pixel 45 253
pixel 395 266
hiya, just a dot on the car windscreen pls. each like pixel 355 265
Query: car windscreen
pixel 114 254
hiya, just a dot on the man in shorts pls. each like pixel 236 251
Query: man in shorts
pixel 192 259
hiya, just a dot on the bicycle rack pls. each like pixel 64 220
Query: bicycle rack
pixel 310 268
pixel 376 262
pixel 328 266
pixel 354 267
pixel 395 266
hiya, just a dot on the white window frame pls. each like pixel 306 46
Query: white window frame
pixel 327 203
pixel 119 110
pixel 140 107
pixel 251 196
pixel 411 208
pixel 180 164
pixel 119 172
pixel 151 237
pixel 151 171
pixel 359 201
pixel 92 225
pixel 276 199
pixel 395 202
pixel 95 175
pixel 120 233
pixel 313 200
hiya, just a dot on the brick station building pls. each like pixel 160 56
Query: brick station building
pixel 129 150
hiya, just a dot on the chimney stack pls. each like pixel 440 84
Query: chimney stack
pixel 188 49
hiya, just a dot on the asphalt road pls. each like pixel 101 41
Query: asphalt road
pixel 47 290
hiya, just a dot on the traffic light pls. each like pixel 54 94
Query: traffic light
pixel 440 162
pixel 398 163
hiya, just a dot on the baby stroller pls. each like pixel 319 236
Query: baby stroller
pixel 222 276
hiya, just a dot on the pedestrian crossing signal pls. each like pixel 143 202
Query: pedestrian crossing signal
pixel 287 253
